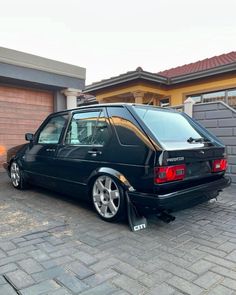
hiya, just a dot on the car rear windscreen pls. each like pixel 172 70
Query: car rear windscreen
pixel 171 129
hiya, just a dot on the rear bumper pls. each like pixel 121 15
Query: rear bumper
pixel 180 199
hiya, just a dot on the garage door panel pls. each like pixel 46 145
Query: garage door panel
pixel 23 106
pixel 24 121
pixel 21 111
pixel 19 128
pixel 14 130
pixel 31 118
pixel 38 101
pixel 25 96
pixel 12 139
pixel 13 127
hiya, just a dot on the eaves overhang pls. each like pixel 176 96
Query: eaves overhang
pixel 128 77
pixel 30 61
pixel 203 74
pixel 159 79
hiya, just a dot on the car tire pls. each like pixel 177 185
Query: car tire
pixel 16 176
pixel 108 198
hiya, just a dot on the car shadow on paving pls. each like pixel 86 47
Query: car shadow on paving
pixel 53 244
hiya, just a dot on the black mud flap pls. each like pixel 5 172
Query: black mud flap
pixel 136 221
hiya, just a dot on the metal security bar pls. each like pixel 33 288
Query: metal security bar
pixel 228 96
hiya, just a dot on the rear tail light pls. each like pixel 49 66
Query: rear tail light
pixel 219 165
pixel 169 173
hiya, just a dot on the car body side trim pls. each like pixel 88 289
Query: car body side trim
pixel 55 178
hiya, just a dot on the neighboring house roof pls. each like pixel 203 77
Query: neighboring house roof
pixel 27 60
pixel 201 69
pixel 201 65
pixel 127 77
pixel 26 69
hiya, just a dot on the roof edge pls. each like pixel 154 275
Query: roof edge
pixel 130 76
pixel 27 60
pixel 134 75
pixel 202 74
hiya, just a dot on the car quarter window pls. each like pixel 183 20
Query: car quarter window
pixel 51 132
pixel 127 130
pixel 87 128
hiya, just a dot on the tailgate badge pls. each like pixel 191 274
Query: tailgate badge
pixel 175 159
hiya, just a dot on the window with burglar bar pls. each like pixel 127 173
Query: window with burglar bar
pixel 228 96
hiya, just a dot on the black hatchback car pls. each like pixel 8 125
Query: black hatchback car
pixel 161 159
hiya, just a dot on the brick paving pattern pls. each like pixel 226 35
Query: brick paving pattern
pixel 55 245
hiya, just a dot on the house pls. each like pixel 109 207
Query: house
pixel 31 87
pixel 206 80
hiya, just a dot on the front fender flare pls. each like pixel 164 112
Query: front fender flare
pixel 114 173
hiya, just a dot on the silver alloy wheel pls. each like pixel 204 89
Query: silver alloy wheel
pixel 106 196
pixel 15 174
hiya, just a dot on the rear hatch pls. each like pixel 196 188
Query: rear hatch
pixel 187 154
pixel 199 166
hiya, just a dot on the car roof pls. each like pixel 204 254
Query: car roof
pixel 112 105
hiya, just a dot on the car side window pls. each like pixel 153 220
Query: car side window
pixel 87 128
pixel 126 129
pixel 51 132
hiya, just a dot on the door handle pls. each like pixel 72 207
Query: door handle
pixel 50 150
pixel 94 153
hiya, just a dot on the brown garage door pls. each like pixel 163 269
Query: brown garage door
pixel 21 110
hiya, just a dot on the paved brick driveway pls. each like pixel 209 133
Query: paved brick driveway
pixel 50 244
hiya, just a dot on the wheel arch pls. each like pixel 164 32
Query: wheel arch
pixel 17 160
pixel 123 181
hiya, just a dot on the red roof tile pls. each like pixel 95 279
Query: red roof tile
pixel 201 65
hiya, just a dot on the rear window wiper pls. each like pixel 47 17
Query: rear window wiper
pixel 200 139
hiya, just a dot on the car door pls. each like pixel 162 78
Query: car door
pixel 84 148
pixel 39 158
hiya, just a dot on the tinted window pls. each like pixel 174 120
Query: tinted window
pixel 51 132
pixel 171 129
pixel 87 128
pixel 126 128
pixel 101 135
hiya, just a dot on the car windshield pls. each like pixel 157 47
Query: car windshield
pixel 171 129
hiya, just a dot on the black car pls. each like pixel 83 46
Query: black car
pixel 157 159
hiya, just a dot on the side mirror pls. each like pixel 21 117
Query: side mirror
pixel 29 137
